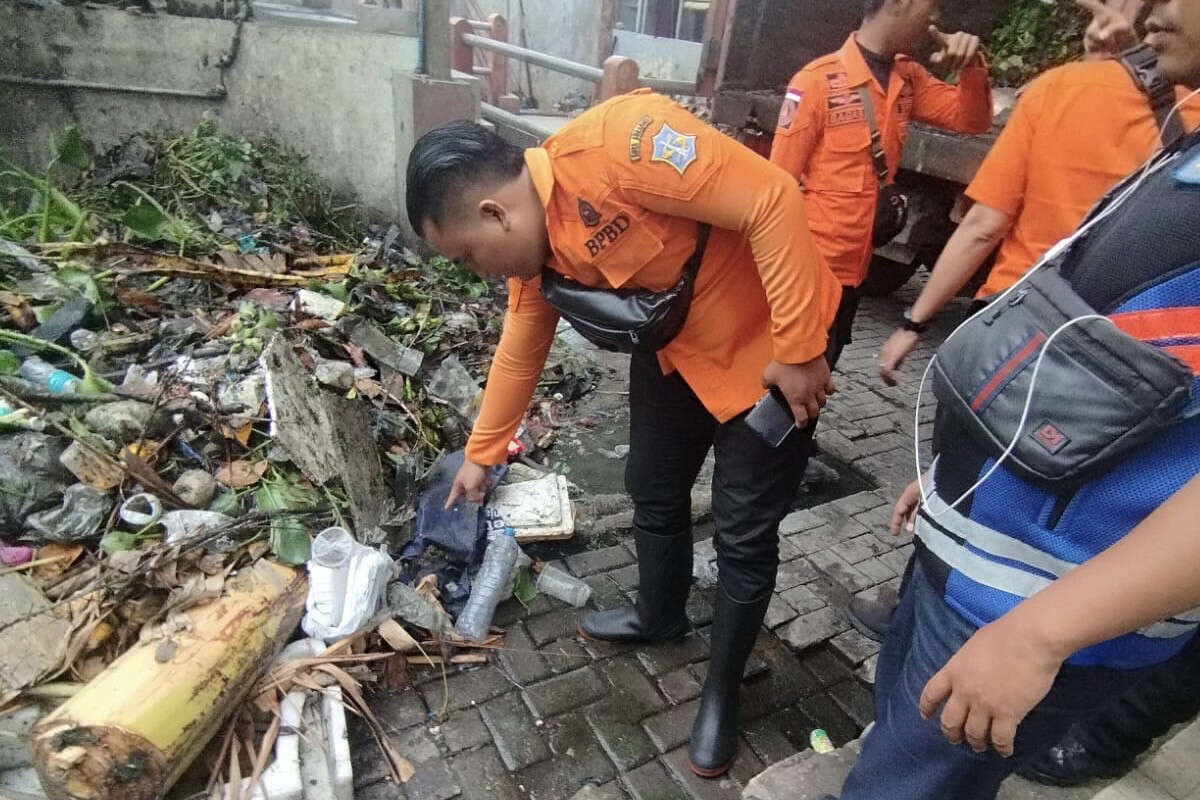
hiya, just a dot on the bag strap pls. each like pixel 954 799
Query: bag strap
pixel 878 155
pixel 692 267
pixel 1141 63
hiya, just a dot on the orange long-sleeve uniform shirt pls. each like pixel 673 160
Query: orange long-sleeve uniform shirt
pixel 624 186
pixel 1076 131
pixel 824 141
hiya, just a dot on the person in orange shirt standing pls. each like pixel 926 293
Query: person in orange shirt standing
pixel 841 132
pixel 631 203
pixel 844 122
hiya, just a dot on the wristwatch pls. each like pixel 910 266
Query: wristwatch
pixel 911 324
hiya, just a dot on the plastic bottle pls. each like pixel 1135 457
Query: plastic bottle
pixel 35 370
pixel 557 584
pixel 84 340
pixel 498 561
pixel 328 571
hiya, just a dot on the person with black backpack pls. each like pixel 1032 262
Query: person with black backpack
pixel 1075 132
pixel 1057 563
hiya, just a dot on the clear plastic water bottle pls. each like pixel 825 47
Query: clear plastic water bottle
pixel 498 560
pixel 35 370
pixel 561 586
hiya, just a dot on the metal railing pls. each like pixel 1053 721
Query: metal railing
pixel 516 122
pixel 565 66
pixel 619 74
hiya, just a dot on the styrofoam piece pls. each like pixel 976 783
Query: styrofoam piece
pixel 338 738
pixel 314 762
pixel 312 751
pixel 281 779
pixel 325 759
pixel 538 510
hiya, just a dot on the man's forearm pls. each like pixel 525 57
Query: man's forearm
pixel 1150 575
pixel 978 235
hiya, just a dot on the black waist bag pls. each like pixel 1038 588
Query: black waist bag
pixel 626 320
pixel 1100 392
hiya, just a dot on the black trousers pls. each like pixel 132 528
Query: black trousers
pixel 843 325
pixel 754 485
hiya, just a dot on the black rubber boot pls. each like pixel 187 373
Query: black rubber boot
pixel 664 580
pixel 1071 763
pixel 872 618
pixel 715 733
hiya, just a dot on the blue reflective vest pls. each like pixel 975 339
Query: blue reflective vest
pixel 1017 537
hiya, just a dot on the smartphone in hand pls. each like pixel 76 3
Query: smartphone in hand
pixel 772 418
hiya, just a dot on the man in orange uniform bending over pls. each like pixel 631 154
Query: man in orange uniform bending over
pixel 619 199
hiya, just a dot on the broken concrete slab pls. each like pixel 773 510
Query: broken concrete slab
pixel 326 436
pixel 35 640
pixel 378 346
pixel 805 776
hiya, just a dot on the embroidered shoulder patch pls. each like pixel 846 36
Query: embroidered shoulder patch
pixel 791 104
pixel 674 148
pixel 1190 172
pixel 635 138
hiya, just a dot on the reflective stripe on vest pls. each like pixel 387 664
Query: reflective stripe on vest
pixel 947 534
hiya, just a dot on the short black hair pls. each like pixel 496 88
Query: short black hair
pixel 448 159
pixel 872 7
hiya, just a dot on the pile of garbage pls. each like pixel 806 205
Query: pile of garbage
pixel 230 412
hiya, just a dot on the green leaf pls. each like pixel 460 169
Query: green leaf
pixel 80 429
pixel 289 538
pixel 118 542
pixel 525 587
pixel 226 503
pixel 93 384
pixel 80 280
pixel 279 493
pixel 9 363
pixel 338 291
pixel 290 543
pixel 147 222
pixel 72 150
pixel 234 169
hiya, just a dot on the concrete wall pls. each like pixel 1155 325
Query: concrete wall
pixel 331 93
pixel 564 28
